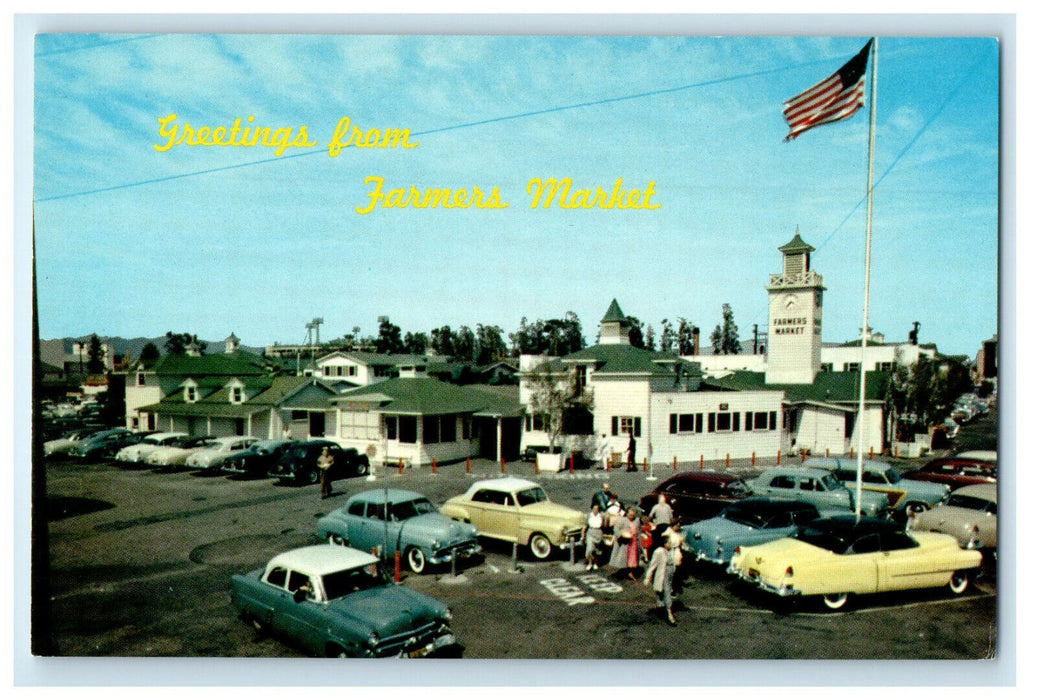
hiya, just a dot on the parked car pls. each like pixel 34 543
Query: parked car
pixel 177 452
pixel 698 495
pixel 835 558
pixel 212 457
pixel 517 510
pixel 299 462
pixel 956 472
pixel 138 452
pixel 410 525
pixel 340 602
pixel 969 514
pixel 818 486
pixel 981 455
pixel 104 444
pixel 905 496
pixel 748 522
pixel 64 444
pixel 257 460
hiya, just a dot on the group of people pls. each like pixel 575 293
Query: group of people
pixel 605 453
pixel 652 540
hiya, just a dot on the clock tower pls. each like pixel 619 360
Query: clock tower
pixel 794 319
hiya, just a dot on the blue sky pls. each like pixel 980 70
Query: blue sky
pixel 130 241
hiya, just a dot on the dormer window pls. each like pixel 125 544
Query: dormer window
pixel 190 393
pixel 235 394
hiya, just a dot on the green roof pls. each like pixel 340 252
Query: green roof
pixel 427 396
pixel 796 245
pixel 271 390
pixel 239 363
pixel 828 387
pixel 626 359
pixel 614 313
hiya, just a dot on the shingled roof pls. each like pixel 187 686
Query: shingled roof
pixel 427 396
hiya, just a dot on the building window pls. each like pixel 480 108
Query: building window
pixel 358 425
pixel 685 423
pixel 390 427
pixel 466 427
pixel 409 429
pixel 140 379
pixel 851 366
pixel 580 379
pixel 826 366
pixel 448 428
pixel 884 366
pixel 327 370
pixel 300 415
pixel 235 395
pixel 537 421
pixel 239 426
pixel 625 425
pixel 190 394
pixel 724 422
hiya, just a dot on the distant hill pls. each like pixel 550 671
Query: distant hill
pixel 130 347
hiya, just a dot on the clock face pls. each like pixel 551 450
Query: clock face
pixel 790 302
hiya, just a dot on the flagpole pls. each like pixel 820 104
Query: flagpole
pixel 867 274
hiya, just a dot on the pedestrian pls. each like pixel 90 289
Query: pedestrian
pixel 624 531
pixel 632 453
pixel 659 575
pixel 614 510
pixel 604 452
pixel 325 463
pixel 601 498
pixel 593 535
pixel 660 516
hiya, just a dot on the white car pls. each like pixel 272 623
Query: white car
pixel 177 453
pixel 138 452
pixel 64 444
pixel 213 456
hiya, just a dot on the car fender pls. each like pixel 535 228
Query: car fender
pixel 456 512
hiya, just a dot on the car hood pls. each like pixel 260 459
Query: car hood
pixel 716 528
pixel 547 509
pixel 389 610
pixel 440 527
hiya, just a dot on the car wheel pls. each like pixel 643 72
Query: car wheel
pixel 540 546
pixel 416 559
pixel 835 601
pixel 959 582
pixel 362 467
pixel 311 477
pixel 335 538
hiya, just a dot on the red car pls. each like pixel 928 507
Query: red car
pixel 957 472
pixel 696 496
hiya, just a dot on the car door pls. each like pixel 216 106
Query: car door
pixel 497 513
pixel 302 620
pixel 903 564
pixel 372 531
pixel 813 489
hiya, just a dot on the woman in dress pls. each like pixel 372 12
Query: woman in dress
pixel 623 533
pixel 593 534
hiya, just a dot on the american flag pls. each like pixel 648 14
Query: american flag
pixel 834 98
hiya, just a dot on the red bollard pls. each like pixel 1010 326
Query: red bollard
pixel 646 465
pixel 467 465
pixel 396 567
pixel 896 450
pixel 727 461
pixel 779 457
pixel 399 470
pixel 826 452
pixel 572 458
pixel 871 453
pixel 675 463
pixel 536 464
pixel 501 465
pixel 433 465
pixel 753 463
pixel 851 453
pixel 702 462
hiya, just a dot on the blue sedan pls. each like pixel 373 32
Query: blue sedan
pixel 395 520
pixel 747 522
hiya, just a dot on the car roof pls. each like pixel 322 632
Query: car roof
pixel 772 505
pixel 797 470
pixel 322 559
pixel 849 526
pixel 381 495
pixel 700 477
pixel 163 436
pixel 505 483
pixel 984 491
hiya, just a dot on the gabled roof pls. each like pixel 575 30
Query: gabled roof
pixel 828 387
pixel 266 392
pixel 377 359
pixel 427 396
pixel 626 359
pixel 239 363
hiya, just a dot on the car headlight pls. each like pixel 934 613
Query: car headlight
pixel 448 615
pixel 436 544
pixel 372 639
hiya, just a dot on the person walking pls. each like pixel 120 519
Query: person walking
pixel 604 452
pixel 624 534
pixel 632 453
pixel 659 575
pixel 593 536
pixel 660 516
pixel 324 464
pixel 601 498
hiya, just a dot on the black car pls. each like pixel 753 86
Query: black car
pixel 299 462
pixel 256 461
pixel 105 444
pixel 698 495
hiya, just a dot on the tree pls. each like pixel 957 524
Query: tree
pixel 464 344
pixel 637 338
pixel 490 345
pixel 149 353
pixel 95 356
pixel 685 331
pixel 415 343
pixel 177 343
pixel 666 336
pixel 555 336
pixel 552 397
pixel 924 395
pixel 442 341
pixel 389 339
pixel 724 338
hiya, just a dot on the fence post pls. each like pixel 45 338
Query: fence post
pixel 702 462
pixel 779 457
pixel 675 463
pixel 727 461
pixel 753 463
pixel 399 469
pixel 536 463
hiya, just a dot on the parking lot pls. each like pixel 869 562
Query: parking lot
pixel 141 561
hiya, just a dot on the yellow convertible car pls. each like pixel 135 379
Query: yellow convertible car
pixel 838 557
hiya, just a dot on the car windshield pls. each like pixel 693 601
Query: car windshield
pixel 410 509
pixel 297 451
pixel 892 475
pixel 529 496
pixel 970 502
pixel 743 516
pixel 831 483
pixel 342 583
